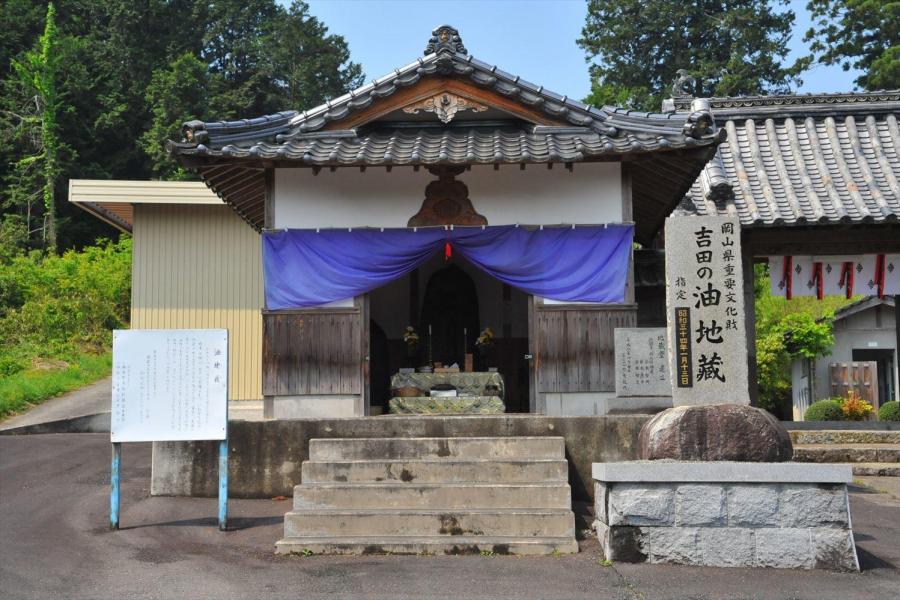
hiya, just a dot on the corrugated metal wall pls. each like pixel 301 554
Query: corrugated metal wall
pixel 201 267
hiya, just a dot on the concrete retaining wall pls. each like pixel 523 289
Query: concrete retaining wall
pixel 265 456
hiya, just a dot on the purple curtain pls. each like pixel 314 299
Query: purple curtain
pixel 306 268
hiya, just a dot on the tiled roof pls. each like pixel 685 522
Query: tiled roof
pixel 626 130
pixel 669 149
pixel 803 160
pixel 433 145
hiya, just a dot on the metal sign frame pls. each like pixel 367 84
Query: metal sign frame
pixel 116 461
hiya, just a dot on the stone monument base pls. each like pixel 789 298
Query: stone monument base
pixel 456 405
pixel 715 432
pixel 725 514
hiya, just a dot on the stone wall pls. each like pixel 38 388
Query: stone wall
pixel 727 524
pixel 265 456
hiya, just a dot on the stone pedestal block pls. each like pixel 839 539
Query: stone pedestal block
pixel 728 432
pixel 725 514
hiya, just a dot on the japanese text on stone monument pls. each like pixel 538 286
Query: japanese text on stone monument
pixel 705 310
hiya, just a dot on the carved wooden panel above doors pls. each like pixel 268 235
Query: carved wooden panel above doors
pixel 446 201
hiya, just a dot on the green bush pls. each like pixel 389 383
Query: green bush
pixel 825 410
pixel 10 365
pixel 889 411
pixel 52 305
pixel 56 317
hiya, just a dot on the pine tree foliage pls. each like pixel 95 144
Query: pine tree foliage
pixel 731 47
pixel 863 34
pixel 97 95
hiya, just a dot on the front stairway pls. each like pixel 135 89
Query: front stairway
pixel 505 495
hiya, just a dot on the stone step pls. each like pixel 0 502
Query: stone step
pixel 847 453
pixel 434 496
pixel 436 471
pixel 440 544
pixel 842 436
pixel 467 448
pixel 328 523
pixel 876 469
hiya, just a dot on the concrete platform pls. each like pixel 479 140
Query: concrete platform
pixel 464 448
pixel 844 436
pixel 450 496
pixel 876 469
pixel 847 453
pixel 532 522
pixel 266 456
pixel 445 516
pixel 428 471
pixel 457 545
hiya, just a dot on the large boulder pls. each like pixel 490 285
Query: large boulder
pixel 730 432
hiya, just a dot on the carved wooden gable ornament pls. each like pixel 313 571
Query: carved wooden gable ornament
pixel 444 106
pixel 446 201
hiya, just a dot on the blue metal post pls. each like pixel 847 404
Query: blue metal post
pixel 114 486
pixel 223 484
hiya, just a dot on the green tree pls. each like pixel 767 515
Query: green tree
pixel 863 34
pixel 730 47
pixel 174 94
pixel 785 330
pixel 35 81
pixel 129 73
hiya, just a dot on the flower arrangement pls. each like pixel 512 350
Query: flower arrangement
pixel 410 337
pixel 486 339
pixel 855 408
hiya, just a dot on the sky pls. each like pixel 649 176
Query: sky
pixel 534 39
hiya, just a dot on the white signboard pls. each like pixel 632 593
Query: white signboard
pixel 169 384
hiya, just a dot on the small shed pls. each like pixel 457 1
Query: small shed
pixel 195 264
pixel 864 358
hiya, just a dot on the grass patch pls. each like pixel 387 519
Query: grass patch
pixel 32 386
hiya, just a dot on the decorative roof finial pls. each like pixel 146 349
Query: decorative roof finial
pixel 684 85
pixel 445 38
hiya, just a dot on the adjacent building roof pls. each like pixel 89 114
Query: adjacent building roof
pixel 823 159
pixel 863 304
pixel 666 151
pixel 113 201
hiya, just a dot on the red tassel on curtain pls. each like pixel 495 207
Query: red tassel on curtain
pixel 448 251
pixel 847 279
pixel 817 276
pixel 879 273
pixel 787 276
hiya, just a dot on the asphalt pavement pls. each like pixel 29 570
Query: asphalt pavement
pixel 55 543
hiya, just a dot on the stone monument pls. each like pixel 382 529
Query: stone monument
pixel 642 362
pixel 642 371
pixel 716 488
pixel 705 311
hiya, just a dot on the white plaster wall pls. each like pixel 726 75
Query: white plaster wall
pixel 347 197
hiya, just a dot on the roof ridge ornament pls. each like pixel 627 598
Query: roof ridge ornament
pixel 684 86
pixel 445 38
